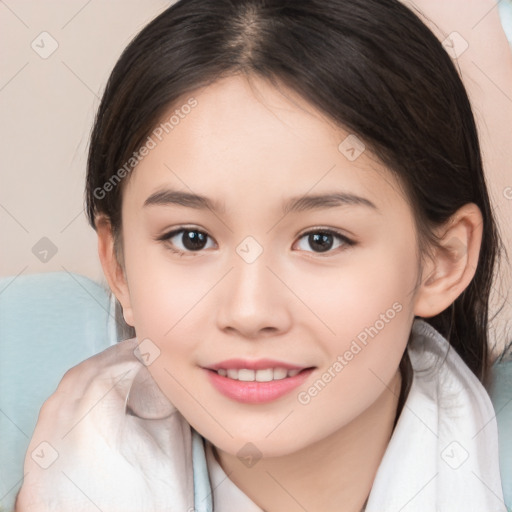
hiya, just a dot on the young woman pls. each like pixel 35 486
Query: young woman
pixel 292 213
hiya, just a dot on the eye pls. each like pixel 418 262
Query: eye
pixel 189 240
pixel 185 240
pixel 323 240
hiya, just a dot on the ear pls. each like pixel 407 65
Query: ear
pixel 452 267
pixel 112 268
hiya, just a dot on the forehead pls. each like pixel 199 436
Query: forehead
pixel 245 141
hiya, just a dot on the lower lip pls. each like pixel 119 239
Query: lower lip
pixel 256 392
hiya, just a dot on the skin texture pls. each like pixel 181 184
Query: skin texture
pixel 250 147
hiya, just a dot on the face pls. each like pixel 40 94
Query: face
pixel 313 299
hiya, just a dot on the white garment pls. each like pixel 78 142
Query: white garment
pixel 442 456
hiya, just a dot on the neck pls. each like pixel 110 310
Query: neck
pixel 335 473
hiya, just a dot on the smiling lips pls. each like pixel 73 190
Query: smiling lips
pixel 256 381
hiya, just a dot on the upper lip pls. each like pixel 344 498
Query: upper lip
pixel 259 364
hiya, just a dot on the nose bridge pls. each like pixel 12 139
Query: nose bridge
pixel 253 298
pixel 250 276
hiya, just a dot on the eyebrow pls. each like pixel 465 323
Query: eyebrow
pixel 324 201
pixel 167 197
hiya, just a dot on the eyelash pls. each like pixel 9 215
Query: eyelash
pixel 345 242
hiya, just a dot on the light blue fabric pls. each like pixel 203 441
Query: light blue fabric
pixel 51 322
pixel 501 395
pixel 48 323
pixel 505 10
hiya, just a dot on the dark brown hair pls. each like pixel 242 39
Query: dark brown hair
pixel 372 66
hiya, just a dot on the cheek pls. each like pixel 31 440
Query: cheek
pixel 368 308
pixel 171 303
pixel 162 291
pixel 371 313
pixel 352 297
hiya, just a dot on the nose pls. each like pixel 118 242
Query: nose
pixel 254 302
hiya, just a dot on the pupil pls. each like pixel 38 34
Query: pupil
pixel 193 240
pixel 322 240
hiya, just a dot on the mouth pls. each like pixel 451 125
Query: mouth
pixel 256 382
pixel 264 375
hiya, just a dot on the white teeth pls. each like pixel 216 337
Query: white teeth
pixel 233 373
pixel 246 375
pixel 266 375
pixel 280 373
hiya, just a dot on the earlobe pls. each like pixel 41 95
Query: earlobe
pixel 112 268
pixel 453 264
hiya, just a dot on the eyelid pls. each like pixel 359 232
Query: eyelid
pixel 174 231
pixel 323 229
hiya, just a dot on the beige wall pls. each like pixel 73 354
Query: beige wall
pixel 47 107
